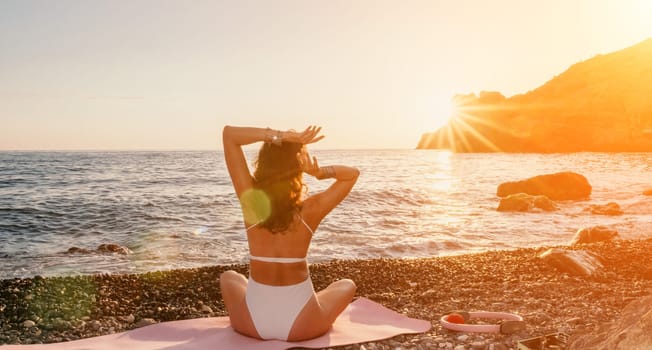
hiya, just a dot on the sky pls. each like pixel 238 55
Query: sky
pixel 168 75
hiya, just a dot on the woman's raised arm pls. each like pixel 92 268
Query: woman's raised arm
pixel 322 203
pixel 233 138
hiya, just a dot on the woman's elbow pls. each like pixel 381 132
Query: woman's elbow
pixel 355 173
pixel 226 132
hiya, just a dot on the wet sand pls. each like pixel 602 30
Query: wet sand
pixel 43 310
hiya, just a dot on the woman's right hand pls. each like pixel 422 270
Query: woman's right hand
pixel 310 135
pixel 308 165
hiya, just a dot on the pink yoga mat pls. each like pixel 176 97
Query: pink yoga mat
pixel 362 321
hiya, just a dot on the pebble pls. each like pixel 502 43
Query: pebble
pixel 500 346
pixel 463 338
pixel 29 324
pixel 61 324
pixel 128 318
pixel 206 309
pixel 95 324
pixel 145 322
pixel 574 320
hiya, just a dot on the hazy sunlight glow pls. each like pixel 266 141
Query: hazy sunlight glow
pixel 142 75
pixel 444 114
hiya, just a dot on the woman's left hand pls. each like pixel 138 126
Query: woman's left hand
pixel 310 135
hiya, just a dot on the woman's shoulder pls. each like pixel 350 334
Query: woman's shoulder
pixel 309 213
pixel 308 205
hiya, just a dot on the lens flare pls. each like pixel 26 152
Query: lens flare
pixel 256 206
pixel 200 231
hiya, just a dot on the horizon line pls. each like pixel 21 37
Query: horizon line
pixel 186 150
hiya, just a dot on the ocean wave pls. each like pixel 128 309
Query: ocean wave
pixel 153 217
pixel 423 248
pixel 15 227
pixel 392 197
pixel 178 209
pixel 642 207
pixel 30 211
pixel 16 182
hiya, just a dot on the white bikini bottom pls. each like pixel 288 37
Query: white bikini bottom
pixel 274 309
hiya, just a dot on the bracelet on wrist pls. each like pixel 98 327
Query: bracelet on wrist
pixel 326 172
pixel 274 137
pixel 278 138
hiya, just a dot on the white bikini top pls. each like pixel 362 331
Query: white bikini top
pixel 281 260
pixel 277 260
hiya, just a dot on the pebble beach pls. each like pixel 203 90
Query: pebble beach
pixel 57 309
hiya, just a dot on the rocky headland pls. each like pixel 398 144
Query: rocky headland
pixel 601 104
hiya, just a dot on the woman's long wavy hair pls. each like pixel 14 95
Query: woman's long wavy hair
pixel 278 174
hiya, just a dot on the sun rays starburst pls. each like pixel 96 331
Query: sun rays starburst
pixel 476 127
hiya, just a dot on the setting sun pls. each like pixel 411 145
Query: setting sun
pixel 443 113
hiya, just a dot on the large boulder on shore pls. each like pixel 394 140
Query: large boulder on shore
pixel 632 330
pixel 594 234
pixel 559 186
pixel 526 202
pixel 573 262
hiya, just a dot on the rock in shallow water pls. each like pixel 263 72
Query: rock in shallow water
pixel 102 248
pixel 594 234
pixel 611 208
pixel 77 250
pixel 526 202
pixel 558 186
pixel 113 248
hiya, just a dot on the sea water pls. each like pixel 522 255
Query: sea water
pixel 179 210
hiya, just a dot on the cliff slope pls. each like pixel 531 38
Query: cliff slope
pixel 603 104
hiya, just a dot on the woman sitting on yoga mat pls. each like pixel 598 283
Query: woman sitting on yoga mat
pixel 278 300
